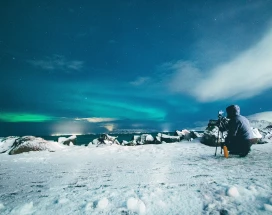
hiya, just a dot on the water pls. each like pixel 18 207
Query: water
pixel 86 139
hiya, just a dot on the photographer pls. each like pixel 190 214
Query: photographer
pixel 239 132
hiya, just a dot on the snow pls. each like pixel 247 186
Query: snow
pixel 268 207
pixel 173 178
pixel 265 116
pixel 233 192
pixel 256 133
pixel 6 143
pixel 136 205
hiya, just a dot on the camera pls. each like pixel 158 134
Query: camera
pixel 221 122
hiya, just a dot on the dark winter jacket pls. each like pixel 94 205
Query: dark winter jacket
pixel 238 127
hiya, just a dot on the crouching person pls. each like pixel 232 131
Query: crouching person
pixel 238 140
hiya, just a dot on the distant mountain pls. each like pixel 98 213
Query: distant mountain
pixel 260 124
pixel 132 131
pixel 261 120
pixel 267 116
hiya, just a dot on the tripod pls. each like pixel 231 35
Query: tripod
pixel 222 125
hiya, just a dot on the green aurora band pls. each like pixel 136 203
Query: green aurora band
pixel 24 117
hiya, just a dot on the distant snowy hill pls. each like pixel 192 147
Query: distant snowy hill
pixel 260 124
pixel 262 116
pixel 261 120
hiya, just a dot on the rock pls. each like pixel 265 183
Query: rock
pixel 143 139
pixel 95 142
pixel 266 134
pixel 7 143
pixel 147 139
pixel 124 143
pixel 67 141
pixel 167 138
pixel 184 134
pixel 31 143
pixel 224 212
pixel 139 140
pixel 210 136
pixel 105 139
pixel 188 135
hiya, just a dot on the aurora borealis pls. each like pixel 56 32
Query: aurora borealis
pixel 89 66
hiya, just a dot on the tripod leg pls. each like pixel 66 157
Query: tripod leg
pixel 217 142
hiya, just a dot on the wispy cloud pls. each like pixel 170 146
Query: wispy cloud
pixel 140 81
pixel 96 119
pixel 247 75
pixel 58 62
pixel 109 127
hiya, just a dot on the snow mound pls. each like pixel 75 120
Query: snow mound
pixel 233 192
pixel 103 203
pixel 31 143
pixel 26 209
pixel 268 207
pixel 1 206
pixel 261 120
pixel 136 205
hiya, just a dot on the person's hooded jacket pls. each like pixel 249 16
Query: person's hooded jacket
pixel 238 127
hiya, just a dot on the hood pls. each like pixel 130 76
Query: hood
pixel 232 111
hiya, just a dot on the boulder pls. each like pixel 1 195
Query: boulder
pixel 266 134
pixel 184 134
pixel 210 136
pixel 167 138
pixel 70 141
pixel 188 135
pixel 105 139
pixel 139 140
pixel 7 143
pixel 31 143
pixel 146 139
pixel 196 134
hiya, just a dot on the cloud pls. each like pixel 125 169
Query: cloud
pixel 57 62
pixel 247 75
pixel 109 127
pixel 140 81
pixel 96 119
pixel 267 116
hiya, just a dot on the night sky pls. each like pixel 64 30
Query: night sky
pixel 74 67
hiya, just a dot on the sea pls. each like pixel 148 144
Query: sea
pixel 86 139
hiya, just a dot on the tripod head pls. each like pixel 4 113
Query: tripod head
pixel 222 121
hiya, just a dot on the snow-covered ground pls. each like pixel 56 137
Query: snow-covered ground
pixel 177 178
